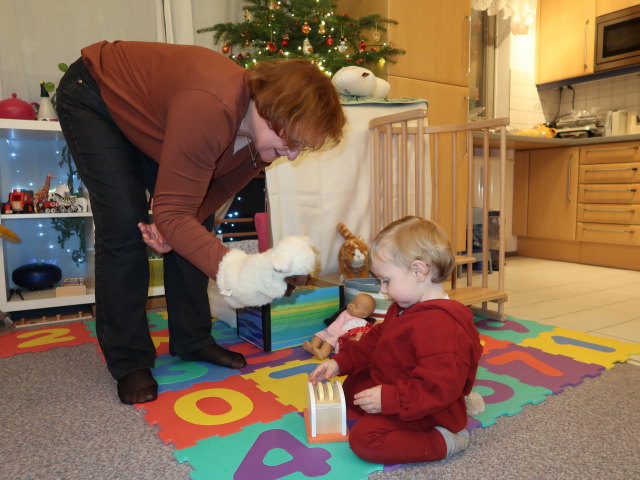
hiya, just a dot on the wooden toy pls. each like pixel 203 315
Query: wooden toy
pixel 326 414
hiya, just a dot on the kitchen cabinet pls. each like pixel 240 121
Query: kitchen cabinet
pixel 609 194
pixel 29 151
pixel 520 193
pixel 566 39
pixel 435 35
pixel 586 210
pixel 552 193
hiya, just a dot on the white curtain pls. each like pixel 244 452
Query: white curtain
pixel 36 35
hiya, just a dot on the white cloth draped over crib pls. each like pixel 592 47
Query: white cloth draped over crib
pixel 312 194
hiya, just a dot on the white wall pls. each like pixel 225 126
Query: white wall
pixel 529 108
pixel 36 35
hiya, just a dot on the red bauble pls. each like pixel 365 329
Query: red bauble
pixel 225 48
pixel 363 45
pixel 374 49
pixel 272 46
pixel 360 60
pixel 329 41
pixel 285 41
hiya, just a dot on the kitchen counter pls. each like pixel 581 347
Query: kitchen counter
pixel 523 142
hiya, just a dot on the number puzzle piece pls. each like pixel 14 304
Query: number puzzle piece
pixel 490 343
pixel 538 368
pixel 210 408
pixel 504 395
pixel 272 451
pixel 287 382
pixel 512 330
pixel 173 374
pixel 41 339
pixel 584 347
pixel 257 358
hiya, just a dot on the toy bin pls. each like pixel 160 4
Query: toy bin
pixel 371 286
pixel 289 321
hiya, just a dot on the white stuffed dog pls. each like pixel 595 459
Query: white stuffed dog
pixel 256 279
pixel 360 82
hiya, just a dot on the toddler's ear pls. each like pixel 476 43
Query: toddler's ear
pixel 419 269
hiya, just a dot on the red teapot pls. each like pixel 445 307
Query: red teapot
pixel 17 109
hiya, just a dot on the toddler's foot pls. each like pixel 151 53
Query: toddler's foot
pixel 217 355
pixel 456 442
pixel 138 386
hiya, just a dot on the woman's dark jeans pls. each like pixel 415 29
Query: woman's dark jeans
pixel 117 176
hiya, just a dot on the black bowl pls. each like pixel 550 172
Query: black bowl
pixel 36 275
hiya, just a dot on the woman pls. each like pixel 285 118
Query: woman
pixel 191 127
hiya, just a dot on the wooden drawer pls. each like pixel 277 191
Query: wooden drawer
pixel 608 233
pixel 609 193
pixel 610 153
pixel 614 213
pixel 610 173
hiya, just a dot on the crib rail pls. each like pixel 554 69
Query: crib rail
pixel 405 182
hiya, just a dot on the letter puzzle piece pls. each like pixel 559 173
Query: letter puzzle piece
pixel 41 339
pixel 583 347
pixel 326 413
pixel 210 408
pixel 538 368
pixel 273 451
pixel 504 395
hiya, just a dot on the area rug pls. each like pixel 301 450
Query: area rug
pixel 247 423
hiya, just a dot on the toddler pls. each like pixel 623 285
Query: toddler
pixel 409 375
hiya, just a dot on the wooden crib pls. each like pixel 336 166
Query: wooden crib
pixel 404 182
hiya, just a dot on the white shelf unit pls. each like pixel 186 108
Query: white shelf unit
pixel 28 151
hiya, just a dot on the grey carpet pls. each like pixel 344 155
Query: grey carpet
pixel 60 419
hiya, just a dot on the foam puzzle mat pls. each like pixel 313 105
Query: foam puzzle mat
pixel 247 423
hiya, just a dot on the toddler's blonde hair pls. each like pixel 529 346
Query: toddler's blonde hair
pixel 413 238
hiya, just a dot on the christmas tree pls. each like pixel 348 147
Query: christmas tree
pixel 305 28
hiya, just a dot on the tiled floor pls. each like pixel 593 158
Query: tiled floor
pixel 597 300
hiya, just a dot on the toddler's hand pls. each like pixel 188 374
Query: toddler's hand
pixel 324 371
pixel 369 400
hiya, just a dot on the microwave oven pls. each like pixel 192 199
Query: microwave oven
pixel 618 39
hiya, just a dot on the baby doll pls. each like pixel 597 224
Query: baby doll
pixel 354 316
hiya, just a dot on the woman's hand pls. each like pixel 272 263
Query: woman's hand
pixel 152 238
pixel 324 371
pixel 370 400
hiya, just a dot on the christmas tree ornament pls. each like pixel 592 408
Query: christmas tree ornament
pixel 273 5
pixel 329 41
pixel 376 34
pixel 363 45
pixel 306 28
pixel 225 48
pixel 306 47
pixel 247 43
pixel 322 29
pixel 342 47
pixel 247 16
pixel 285 41
pixel 272 46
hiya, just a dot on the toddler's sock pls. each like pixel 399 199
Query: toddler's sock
pixel 456 442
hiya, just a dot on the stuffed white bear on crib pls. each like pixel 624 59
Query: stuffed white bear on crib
pixel 360 82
